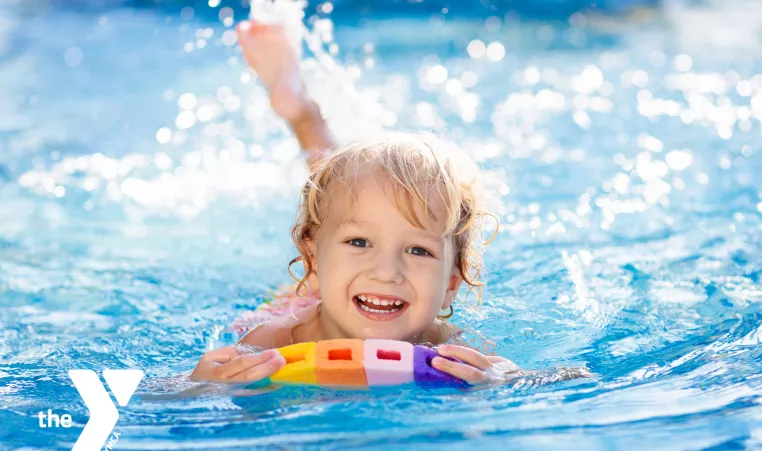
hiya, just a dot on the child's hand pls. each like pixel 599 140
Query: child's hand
pixel 478 368
pixel 266 49
pixel 229 365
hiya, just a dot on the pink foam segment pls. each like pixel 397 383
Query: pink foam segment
pixel 388 362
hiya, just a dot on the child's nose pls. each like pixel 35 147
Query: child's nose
pixel 387 267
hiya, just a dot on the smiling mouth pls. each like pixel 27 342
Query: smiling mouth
pixel 372 304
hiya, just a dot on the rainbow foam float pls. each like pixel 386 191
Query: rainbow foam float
pixel 361 363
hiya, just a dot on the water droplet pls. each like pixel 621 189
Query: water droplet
pixel 73 56
pixel 492 23
pixel 229 38
pixel 679 160
pixel 187 13
pixel 683 63
pixel 476 49
pixel 495 51
pixel 163 135
pixel 187 101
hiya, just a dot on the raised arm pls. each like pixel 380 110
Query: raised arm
pixel 312 133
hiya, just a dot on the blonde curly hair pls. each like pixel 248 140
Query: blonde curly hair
pixel 415 163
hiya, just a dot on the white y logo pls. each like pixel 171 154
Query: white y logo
pixel 103 414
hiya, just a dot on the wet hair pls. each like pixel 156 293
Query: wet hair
pixel 418 165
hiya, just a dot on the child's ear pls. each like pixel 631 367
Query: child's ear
pixel 453 286
pixel 312 280
pixel 311 251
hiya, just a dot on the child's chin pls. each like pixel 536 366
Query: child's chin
pixel 380 333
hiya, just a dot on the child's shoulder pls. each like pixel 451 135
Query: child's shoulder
pixel 267 336
pixel 442 332
pixel 271 323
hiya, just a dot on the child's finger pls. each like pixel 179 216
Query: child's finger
pixel 244 362
pixel 246 29
pixel 222 355
pixel 468 373
pixel 467 355
pixel 503 364
pixel 260 371
pixel 247 26
pixel 265 26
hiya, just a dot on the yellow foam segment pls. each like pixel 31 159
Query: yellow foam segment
pixel 301 364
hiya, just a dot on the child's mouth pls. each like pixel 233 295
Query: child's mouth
pixel 379 309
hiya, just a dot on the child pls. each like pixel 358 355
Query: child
pixel 387 231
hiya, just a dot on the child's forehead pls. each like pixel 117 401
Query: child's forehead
pixel 372 199
pixel 369 193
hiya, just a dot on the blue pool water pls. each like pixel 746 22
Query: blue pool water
pixel 146 193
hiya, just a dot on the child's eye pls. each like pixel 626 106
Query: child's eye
pixel 358 242
pixel 419 251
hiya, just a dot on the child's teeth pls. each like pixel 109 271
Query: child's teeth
pixel 372 310
pixel 376 301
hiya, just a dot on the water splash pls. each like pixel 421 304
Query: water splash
pixel 207 155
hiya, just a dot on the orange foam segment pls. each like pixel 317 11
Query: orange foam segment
pixel 340 362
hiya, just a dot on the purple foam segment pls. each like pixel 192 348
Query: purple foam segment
pixel 428 376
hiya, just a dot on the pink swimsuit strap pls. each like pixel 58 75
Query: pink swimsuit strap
pixel 276 308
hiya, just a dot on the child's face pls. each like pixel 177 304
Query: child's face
pixel 369 249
